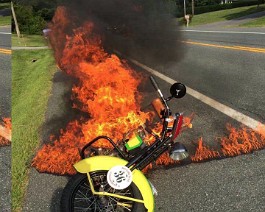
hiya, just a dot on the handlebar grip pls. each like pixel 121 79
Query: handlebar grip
pixel 154 83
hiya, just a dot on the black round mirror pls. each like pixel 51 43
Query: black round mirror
pixel 178 90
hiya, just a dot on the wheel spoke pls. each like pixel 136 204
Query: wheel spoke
pixel 126 205
pixel 84 200
pixel 87 208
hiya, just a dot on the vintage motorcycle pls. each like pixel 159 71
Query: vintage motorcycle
pixel 112 180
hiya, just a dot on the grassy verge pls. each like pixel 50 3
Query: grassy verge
pixel 224 15
pixel 29 40
pixel 31 86
pixel 259 22
pixel 5 20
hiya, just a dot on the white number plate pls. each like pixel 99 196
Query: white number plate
pixel 119 177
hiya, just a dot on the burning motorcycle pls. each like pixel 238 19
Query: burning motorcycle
pixel 111 179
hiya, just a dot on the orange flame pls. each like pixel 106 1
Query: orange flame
pixel 5 132
pixel 204 153
pixel 239 141
pixel 107 91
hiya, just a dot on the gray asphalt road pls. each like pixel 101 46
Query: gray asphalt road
pixel 233 184
pixel 5 85
pixel 5 179
pixel 252 37
pixel 5 111
pixel 233 77
pixel 5 41
pixel 5 73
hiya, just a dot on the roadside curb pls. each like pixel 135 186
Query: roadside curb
pixel 29 47
pixel 44 190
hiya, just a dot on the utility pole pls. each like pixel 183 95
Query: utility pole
pixel 184 8
pixel 15 19
pixel 192 7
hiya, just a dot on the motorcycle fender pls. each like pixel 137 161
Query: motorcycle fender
pixel 98 163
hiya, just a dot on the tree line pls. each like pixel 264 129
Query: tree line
pixel 33 15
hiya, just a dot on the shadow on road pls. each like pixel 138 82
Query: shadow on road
pixel 59 110
pixel 55 203
pixel 5 12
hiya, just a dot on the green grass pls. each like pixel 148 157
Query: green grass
pixel 5 20
pixel 29 40
pixel 224 15
pixel 259 22
pixel 31 86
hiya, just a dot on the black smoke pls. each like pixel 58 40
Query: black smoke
pixel 143 29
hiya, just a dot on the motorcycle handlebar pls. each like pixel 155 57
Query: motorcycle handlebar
pixel 154 83
pixel 159 91
pixel 166 111
pixel 157 88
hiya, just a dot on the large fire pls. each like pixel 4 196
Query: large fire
pixel 107 92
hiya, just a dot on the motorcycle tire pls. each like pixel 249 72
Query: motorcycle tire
pixel 77 196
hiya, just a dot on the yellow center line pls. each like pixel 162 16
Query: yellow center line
pixel 241 48
pixel 5 51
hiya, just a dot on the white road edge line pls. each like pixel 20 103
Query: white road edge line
pixel 5 33
pixel 240 117
pixel 29 47
pixel 230 32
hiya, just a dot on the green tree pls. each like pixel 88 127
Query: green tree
pixel 29 22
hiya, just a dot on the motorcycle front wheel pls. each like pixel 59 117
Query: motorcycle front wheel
pixel 77 196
